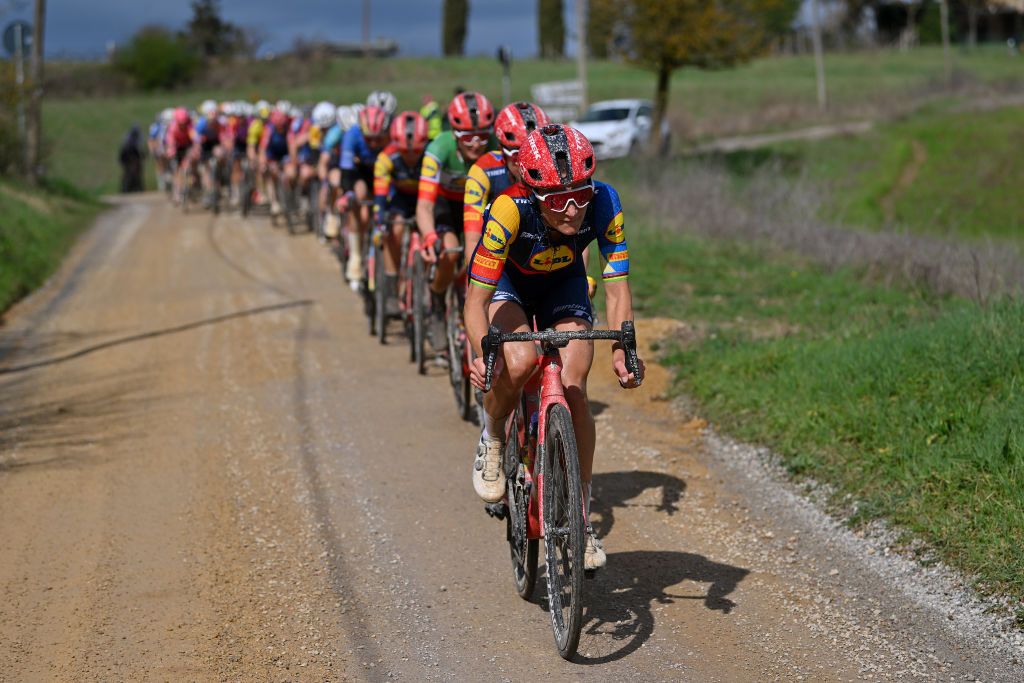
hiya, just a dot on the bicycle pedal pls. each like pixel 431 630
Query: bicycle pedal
pixel 496 510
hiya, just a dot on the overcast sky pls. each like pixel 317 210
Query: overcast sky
pixel 82 28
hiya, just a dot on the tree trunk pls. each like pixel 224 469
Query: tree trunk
pixel 972 24
pixel 660 106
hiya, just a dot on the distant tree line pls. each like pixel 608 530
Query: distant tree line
pixel 159 57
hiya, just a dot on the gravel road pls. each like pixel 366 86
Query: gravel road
pixel 208 471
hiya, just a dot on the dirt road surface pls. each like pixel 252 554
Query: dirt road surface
pixel 208 471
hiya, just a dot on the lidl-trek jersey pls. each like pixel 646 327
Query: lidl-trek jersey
pixel 487 178
pixel 518 245
pixel 444 169
pixel 395 183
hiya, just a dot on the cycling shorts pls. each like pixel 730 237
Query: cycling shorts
pixel 549 301
pixel 403 205
pixel 448 216
pixel 206 149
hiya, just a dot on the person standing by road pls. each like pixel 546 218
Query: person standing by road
pixel 130 156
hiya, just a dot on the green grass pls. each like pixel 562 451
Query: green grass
pixel 38 229
pixel 767 93
pixel 967 182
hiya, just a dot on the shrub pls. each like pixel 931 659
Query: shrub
pixel 157 58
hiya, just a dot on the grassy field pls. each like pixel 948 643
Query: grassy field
pixel 945 173
pixel 38 229
pixel 766 94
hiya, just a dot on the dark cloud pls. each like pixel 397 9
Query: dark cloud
pixel 80 28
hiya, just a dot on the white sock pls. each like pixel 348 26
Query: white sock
pixel 494 428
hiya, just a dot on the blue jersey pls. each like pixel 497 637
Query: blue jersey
pixel 332 140
pixel 355 151
pixel 208 130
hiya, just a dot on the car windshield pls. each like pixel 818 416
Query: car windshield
pixel 615 114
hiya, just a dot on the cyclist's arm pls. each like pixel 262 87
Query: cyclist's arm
pixel 348 158
pixel 430 178
pixel 611 242
pixel 475 199
pixel 487 265
pixel 382 170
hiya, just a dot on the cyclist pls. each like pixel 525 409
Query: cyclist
pixel 359 149
pixel 235 139
pixel 178 146
pixel 254 136
pixel 396 177
pixel 439 210
pixel 155 142
pixel 383 99
pixel 273 152
pixel 540 227
pixel 328 168
pixel 431 111
pixel 495 171
pixel 206 136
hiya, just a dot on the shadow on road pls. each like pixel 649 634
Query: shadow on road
pixel 120 341
pixel 616 489
pixel 619 614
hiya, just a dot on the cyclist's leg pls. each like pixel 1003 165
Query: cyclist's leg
pixel 332 226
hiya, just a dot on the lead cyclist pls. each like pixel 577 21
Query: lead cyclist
pixel 541 227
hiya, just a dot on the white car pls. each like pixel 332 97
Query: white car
pixel 617 128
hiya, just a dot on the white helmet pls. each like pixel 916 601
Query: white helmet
pixel 208 108
pixel 324 115
pixel 261 107
pixel 346 117
pixel 383 99
pixel 295 112
pixel 283 106
pixel 166 115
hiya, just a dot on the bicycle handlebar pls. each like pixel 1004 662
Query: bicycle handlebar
pixel 492 341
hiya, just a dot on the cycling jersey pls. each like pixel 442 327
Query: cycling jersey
pixel 331 144
pixel 395 183
pixel 207 131
pixel 274 143
pixel 516 234
pixel 444 169
pixel 357 158
pixel 487 178
pixel 255 132
pixel 179 138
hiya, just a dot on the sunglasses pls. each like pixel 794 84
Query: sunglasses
pixel 473 137
pixel 559 201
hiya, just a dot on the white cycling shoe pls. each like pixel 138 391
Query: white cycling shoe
pixel 593 554
pixel 488 477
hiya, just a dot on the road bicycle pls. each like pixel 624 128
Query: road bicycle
pixel 246 188
pixel 468 400
pixel 548 504
pixel 375 265
pixel 191 191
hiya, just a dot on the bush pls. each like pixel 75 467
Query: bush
pixel 157 58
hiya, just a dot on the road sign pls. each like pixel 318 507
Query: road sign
pixel 18 30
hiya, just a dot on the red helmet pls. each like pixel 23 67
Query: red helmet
pixel 518 120
pixel 373 121
pixel 556 156
pixel 278 118
pixel 181 116
pixel 409 132
pixel 470 111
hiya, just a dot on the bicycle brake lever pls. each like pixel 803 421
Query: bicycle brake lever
pixel 489 344
pixel 629 346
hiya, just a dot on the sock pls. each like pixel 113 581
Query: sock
pixel 494 428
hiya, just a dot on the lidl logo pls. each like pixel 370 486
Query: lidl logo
pixel 614 233
pixel 496 238
pixel 552 258
pixel 429 167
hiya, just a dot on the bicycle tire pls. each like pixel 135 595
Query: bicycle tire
pixel 418 313
pixel 456 353
pixel 313 210
pixel 287 206
pixel 523 551
pixel 379 295
pixel 563 530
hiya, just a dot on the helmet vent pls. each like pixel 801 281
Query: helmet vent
pixel 535 175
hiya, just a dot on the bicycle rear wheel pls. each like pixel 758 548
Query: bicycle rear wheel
pixel 457 375
pixel 522 549
pixel 419 291
pixel 563 530
pixel 379 295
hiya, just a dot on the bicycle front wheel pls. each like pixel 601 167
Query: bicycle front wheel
pixel 563 530
pixel 419 297
pixel 379 294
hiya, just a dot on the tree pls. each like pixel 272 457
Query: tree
pixel 157 58
pixel 665 35
pixel 601 23
pixel 453 37
pixel 211 34
pixel 551 29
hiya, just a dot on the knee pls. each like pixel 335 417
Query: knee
pixel 520 367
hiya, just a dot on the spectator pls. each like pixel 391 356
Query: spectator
pixel 130 156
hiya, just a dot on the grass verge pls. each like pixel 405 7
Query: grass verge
pixel 907 403
pixel 39 226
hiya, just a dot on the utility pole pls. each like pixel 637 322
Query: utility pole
pixel 19 80
pixel 819 58
pixel 366 27
pixel 581 51
pixel 35 100
pixel 947 57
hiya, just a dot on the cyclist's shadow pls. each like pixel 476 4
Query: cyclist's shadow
pixel 615 489
pixel 618 605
